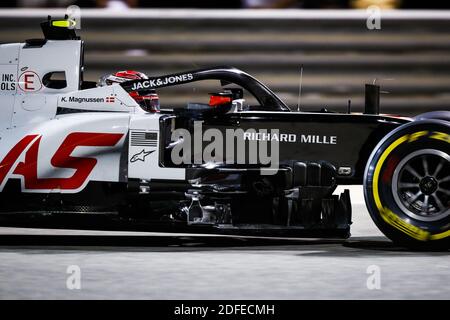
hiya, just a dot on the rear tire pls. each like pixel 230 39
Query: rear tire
pixel 407 184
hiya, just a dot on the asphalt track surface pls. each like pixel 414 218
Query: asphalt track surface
pixel 126 265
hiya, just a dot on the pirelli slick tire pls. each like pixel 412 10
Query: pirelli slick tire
pixel 407 184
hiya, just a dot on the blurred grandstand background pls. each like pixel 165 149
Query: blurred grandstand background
pixel 409 56
pixel 234 4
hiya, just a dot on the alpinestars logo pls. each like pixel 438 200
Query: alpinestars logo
pixel 141 156
pixel 158 82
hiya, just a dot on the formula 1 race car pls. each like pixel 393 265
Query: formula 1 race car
pixel 77 154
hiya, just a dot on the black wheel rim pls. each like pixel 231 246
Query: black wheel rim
pixel 421 185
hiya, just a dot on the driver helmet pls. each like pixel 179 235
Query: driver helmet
pixel 149 101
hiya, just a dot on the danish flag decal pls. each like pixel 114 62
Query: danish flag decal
pixel 61 159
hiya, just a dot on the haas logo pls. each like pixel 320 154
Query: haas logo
pixel 61 159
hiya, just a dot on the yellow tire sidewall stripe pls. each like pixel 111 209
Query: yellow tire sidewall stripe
pixel 390 217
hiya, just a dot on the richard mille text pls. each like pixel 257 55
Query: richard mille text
pixel 285 137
